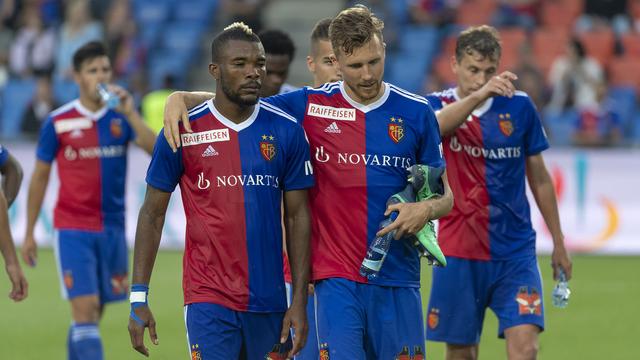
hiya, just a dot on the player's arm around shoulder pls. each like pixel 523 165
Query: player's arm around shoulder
pixel 176 110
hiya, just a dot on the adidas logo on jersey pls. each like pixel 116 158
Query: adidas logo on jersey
pixel 209 151
pixel 333 128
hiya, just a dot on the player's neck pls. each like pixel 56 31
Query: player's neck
pixel 360 101
pixel 90 104
pixel 231 110
pixel 460 94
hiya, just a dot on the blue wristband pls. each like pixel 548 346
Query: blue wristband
pixel 138 298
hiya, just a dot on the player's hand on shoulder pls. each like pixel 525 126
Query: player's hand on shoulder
pixel 499 85
pixel 29 251
pixel 175 110
pixel 137 326
pixel 412 217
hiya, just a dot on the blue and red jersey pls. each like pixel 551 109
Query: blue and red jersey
pixel 231 179
pixel 487 155
pixel 4 155
pixel 90 149
pixel 360 156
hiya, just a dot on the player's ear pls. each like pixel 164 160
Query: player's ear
pixel 454 64
pixel 214 70
pixel 311 65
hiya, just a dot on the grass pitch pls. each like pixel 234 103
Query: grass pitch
pixel 601 321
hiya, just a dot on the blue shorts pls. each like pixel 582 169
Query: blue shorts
pixel 310 350
pixel 93 263
pixel 363 321
pixel 217 332
pixel 461 291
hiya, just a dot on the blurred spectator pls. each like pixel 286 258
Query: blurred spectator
pixel 5 43
pixel 530 77
pixel 279 49
pixel 39 107
pixel 77 30
pixel 153 104
pixel 575 80
pixel 33 47
pixel 516 13
pixel 123 45
pixel 438 13
pixel 248 11
pixel 603 14
pixel 383 10
pixel 601 126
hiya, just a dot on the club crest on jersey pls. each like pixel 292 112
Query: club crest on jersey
pixel 267 147
pixel 116 127
pixel 195 352
pixel 529 302
pixel 434 318
pixel 396 129
pixel 506 125
pixel 324 351
pixel 68 279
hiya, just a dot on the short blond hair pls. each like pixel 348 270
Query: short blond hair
pixel 352 28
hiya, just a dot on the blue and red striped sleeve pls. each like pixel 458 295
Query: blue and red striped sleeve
pixel 166 167
pixel 47 142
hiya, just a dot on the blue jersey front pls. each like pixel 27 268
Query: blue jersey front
pixel 231 179
pixel 360 156
pixel 487 155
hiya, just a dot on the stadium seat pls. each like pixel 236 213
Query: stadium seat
pixel 164 63
pixel 199 11
pixel 475 12
pixel 560 14
pixel 408 72
pixel 548 44
pixel 624 102
pixel 16 97
pixel 511 40
pixel 631 44
pixel 442 67
pixel 624 71
pixel 600 45
pixel 182 37
pixel 64 91
pixel 151 11
pixel 561 126
pixel 422 40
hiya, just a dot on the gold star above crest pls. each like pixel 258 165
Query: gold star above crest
pixel 271 137
pixel 501 116
pixel 264 137
pixel 393 119
pixel 508 116
pixel 400 120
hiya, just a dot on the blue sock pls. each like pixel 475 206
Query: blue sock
pixel 71 355
pixel 85 342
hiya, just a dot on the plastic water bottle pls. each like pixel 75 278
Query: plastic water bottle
pixel 561 292
pixel 378 250
pixel 109 98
